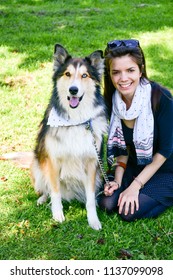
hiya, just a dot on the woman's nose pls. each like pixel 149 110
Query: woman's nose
pixel 124 76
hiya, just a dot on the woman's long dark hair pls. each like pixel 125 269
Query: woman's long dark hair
pixel 136 54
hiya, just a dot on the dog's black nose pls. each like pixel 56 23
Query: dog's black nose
pixel 73 90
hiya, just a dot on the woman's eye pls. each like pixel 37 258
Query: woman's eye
pixel 131 70
pixel 67 74
pixel 115 73
pixel 84 75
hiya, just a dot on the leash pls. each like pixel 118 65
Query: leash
pixel 100 162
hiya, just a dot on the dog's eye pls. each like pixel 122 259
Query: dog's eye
pixel 84 75
pixel 67 74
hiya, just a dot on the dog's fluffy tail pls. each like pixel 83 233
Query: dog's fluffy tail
pixel 21 159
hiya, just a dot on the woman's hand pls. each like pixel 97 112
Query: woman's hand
pixel 109 189
pixel 129 200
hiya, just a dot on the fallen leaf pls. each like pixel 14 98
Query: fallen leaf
pixel 79 236
pixel 101 241
pixel 4 179
pixel 125 253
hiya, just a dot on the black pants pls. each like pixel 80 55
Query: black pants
pixel 148 207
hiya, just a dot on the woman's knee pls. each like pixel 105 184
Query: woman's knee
pixel 107 204
pixel 128 217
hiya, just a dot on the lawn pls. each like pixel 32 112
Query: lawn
pixel 28 31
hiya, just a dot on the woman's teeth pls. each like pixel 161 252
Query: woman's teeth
pixel 125 86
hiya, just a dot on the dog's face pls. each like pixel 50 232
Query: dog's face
pixel 76 78
pixel 74 83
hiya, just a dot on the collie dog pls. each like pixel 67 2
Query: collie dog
pixel 65 164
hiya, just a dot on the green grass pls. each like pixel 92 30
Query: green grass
pixel 28 31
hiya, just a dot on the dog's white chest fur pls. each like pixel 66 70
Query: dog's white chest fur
pixel 67 142
pixel 72 148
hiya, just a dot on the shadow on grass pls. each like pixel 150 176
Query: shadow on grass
pixel 161 56
pixel 33 28
pixel 30 233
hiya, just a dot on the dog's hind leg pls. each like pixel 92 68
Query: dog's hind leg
pixel 39 181
pixel 90 197
pixel 55 194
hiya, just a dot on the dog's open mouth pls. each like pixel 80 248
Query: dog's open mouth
pixel 74 101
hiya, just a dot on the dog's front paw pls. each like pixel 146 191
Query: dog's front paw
pixel 59 216
pixel 95 224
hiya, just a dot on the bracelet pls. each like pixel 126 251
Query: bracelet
pixel 116 183
pixel 139 182
pixel 121 164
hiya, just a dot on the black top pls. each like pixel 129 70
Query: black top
pixel 163 133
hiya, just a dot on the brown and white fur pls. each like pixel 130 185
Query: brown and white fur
pixel 65 164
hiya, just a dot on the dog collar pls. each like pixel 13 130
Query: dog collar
pixel 54 120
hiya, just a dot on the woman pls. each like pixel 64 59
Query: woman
pixel 140 140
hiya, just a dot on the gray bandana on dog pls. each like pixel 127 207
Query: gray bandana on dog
pixel 55 120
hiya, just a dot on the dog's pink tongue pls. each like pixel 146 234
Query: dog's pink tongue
pixel 74 101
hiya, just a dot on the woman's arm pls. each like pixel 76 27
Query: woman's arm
pixel 129 197
pixel 119 172
pixel 151 168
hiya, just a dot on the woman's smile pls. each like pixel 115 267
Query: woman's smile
pixel 125 86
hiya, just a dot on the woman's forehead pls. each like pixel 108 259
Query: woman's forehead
pixel 125 61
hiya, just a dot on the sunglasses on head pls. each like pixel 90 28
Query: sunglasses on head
pixel 126 43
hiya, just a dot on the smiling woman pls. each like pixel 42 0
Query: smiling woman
pixel 127 68
pixel 140 138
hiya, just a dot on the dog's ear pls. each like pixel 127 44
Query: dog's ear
pixel 60 56
pixel 97 60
